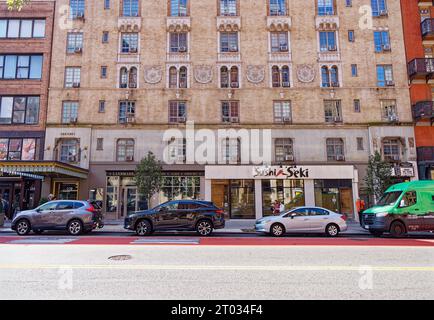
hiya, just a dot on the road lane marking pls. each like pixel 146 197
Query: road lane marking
pixel 214 268
pixel 166 241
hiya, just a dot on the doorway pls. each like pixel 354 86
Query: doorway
pixel 132 201
pixel 6 193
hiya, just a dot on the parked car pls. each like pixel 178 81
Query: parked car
pixel 404 207
pixel 303 220
pixel 187 215
pixel 76 217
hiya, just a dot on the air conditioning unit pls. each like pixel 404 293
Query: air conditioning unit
pixel 284 48
pixel 286 119
pixel 235 119
pixel 289 157
pixel 387 47
pixel 233 158
pixel 180 158
pixel 392 118
pixel 395 158
pixel 337 119
pixel 384 12
pixel 72 159
pixel 286 84
pixel 80 15
pixel 332 48
pixel 182 119
pixel 182 49
pixel 133 50
pixel 129 158
pixel 76 85
pixel 73 120
pixel 233 49
pixel 133 85
pixel 390 83
pixel 340 158
pixel 123 85
pixel 135 14
pixel 335 84
pixel 130 119
pixel 234 84
pixel 78 50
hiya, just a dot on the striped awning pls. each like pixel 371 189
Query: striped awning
pixel 41 169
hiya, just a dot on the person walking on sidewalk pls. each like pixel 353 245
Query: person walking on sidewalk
pixel 360 204
pixel 276 207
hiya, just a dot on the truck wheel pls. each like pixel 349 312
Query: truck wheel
pixel 397 229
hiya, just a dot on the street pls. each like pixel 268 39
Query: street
pixel 230 267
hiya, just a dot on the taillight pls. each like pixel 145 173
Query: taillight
pixel 220 213
pixel 91 209
pixel 343 217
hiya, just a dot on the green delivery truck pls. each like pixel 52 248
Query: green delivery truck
pixel 404 207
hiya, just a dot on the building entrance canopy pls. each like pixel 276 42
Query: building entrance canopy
pixel 41 169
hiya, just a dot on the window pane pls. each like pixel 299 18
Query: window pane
pixel 3 24
pixel 19 110
pixel 6 109
pixel 36 67
pixel 4 145
pixel 26 29
pixel 32 116
pixel 10 67
pixel 39 29
pixel 29 149
pixel 14 28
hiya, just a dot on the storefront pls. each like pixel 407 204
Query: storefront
pixel 248 192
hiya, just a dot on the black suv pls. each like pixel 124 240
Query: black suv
pixel 202 216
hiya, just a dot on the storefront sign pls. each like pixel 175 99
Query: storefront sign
pixel 403 171
pixel 283 172
pixel 164 173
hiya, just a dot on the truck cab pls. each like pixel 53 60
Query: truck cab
pixel 404 208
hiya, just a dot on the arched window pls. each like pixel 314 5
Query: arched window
pixel 234 78
pixel 125 150
pixel 275 76
pixel 123 78
pixel 183 77
pixel 285 77
pixel 325 77
pixel 334 76
pixel 224 77
pixel 133 78
pixel 173 77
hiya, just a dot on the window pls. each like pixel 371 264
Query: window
pixel 379 8
pixel 277 8
pixel 127 110
pixel 327 40
pixel 24 28
pixel 74 42
pixel 356 104
pixel 128 78
pixel 178 8
pixel 178 78
pixel 20 67
pixel 19 110
pixel 354 71
pixel 382 41
pixel 106 4
pixel 329 76
pixel 391 149
pixel 103 72
pixel 228 7
pixel 69 112
pixel 130 8
pixel 178 42
pixel 384 75
pixel 177 150
pixel 101 106
pixel 177 111
pixel 335 149
pixel 72 77
pixel 125 150
pixel 25 149
pixel 100 144
pixel 228 41
pixel 326 7
pixel 283 150
pixel 282 111
pixel 76 8
pixel 348 3
pixel 105 36
pixel 279 41
pixel 332 110
pixel 351 36
pixel 129 42
pixel 360 144
pixel 69 150
pixel 389 110
pixel 231 150
pixel 280 77
pixel 410 198
pixel 229 78
pixel 230 112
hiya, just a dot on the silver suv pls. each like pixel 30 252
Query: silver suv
pixel 76 217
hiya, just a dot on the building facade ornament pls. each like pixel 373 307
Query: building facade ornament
pixel 203 74
pixel 153 74
pixel 305 73
pixel 255 74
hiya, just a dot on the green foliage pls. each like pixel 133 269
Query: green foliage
pixel 16 4
pixel 379 176
pixel 149 176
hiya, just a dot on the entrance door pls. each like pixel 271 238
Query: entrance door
pixel 347 202
pixel 132 201
pixel 5 192
pixel 220 195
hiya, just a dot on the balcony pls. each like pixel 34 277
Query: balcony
pixel 129 24
pixel 427 29
pixel 424 3
pixel 425 154
pixel 423 110
pixel 421 69
pixel 329 56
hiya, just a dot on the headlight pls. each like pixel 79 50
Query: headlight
pixel 381 214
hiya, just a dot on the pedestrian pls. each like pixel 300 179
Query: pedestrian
pixel 276 207
pixel 281 207
pixel 51 197
pixel 360 205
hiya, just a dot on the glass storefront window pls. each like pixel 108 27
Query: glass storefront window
pixel 335 195
pixel 112 194
pixel 177 188
pixel 67 191
pixel 242 197
pixel 290 192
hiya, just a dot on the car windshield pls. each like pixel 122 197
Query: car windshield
pixel 389 198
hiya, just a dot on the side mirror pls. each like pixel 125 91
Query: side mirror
pixel 402 204
pixel 38 210
pixel 293 215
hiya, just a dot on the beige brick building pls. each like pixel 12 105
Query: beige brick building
pixel 327 78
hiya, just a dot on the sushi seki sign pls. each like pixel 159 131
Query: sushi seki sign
pixel 281 172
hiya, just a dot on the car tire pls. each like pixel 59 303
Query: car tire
pixel 75 227
pixel 332 230
pixel 23 227
pixel 38 231
pixel 397 229
pixel 204 227
pixel 277 230
pixel 376 233
pixel 143 228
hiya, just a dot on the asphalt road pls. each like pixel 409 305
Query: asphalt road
pixel 216 272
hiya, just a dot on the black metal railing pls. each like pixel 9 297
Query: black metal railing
pixel 420 66
pixel 427 27
pixel 425 154
pixel 423 110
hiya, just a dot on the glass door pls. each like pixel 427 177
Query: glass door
pixel 133 201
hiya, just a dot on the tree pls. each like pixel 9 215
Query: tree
pixel 16 4
pixel 379 176
pixel 149 176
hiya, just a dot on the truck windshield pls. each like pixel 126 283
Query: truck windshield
pixel 389 198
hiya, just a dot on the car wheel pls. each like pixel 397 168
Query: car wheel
pixel 38 231
pixel 376 233
pixel 23 227
pixel 75 227
pixel 397 229
pixel 277 230
pixel 204 228
pixel 143 228
pixel 332 230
